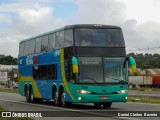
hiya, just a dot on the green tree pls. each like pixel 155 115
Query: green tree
pixel 8 60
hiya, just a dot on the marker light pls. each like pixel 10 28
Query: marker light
pixel 79 98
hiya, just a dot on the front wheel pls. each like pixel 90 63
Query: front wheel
pixel 107 105
pixel 64 103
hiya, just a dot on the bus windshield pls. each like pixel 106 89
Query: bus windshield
pixel 101 70
pixel 99 37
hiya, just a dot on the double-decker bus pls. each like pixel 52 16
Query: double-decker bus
pixel 83 63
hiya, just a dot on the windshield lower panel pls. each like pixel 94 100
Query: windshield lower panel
pixel 97 70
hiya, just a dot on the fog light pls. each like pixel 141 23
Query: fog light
pixel 79 98
pixel 126 98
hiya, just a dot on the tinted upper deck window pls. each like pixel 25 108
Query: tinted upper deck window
pixel 99 37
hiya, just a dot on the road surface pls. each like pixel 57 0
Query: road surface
pixel 15 102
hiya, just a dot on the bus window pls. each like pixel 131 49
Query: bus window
pixel 99 37
pixel 21 48
pixel 59 38
pixel 26 48
pixel 44 42
pixel 45 72
pixel 51 42
pixel 38 45
pixel 68 71
pixel 52 72
pixel 68 38
pixel 32 46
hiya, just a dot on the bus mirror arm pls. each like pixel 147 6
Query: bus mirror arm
pixel 126 60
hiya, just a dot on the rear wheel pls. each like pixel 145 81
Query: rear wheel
pixel 107 105
pixel 97 104
pixel 56 98
pixel 31 96
pixel 27 96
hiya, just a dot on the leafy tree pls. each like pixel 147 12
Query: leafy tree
pixel 146 61
pixel 8 60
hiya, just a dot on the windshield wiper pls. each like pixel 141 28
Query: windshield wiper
pixel 90 79
pixel 120 81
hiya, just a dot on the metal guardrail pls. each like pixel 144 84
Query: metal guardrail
pixel 145 95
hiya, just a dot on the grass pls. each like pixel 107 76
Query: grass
pixel 144 100
pixel 9 90
pixel 16 118
pixel 2 109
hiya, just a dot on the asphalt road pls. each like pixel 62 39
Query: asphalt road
pixel 15 102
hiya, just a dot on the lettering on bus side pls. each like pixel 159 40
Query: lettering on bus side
pixel 29 60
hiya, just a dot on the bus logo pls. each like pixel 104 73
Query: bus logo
pixel 29 60
pixel 36 60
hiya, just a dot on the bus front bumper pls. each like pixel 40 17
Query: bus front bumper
pixel 90 98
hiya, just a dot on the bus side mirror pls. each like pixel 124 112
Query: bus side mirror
pixel 75 65
pixel 133 64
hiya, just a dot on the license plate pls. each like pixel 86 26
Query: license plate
pixel 104 98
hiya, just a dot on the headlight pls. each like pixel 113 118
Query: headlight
pixel 83 92
pixel 122 91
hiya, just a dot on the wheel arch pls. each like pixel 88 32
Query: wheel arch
pixel 61 88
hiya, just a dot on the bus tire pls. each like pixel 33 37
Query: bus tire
pixel 31 97
pixel 107 105
pixel 27 96
pixel 56 98
pixel 97 105
pixel 64 103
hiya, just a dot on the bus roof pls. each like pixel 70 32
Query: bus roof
pixel 91 26
pixel 74 26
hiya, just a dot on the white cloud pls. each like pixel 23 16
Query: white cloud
pixel 139 19
pixel 142 10
pixel 28 20
pixel 101 11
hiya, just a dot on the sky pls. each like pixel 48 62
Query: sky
pixel 139 20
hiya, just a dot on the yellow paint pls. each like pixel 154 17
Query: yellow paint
pixel 63 73
pixel 75 68
pixel 134 69
pixel 36 90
